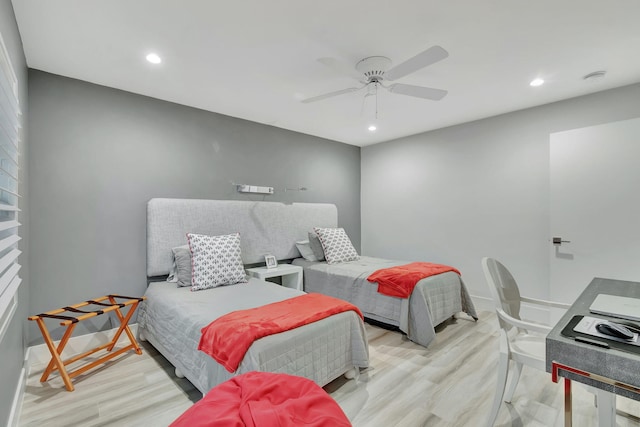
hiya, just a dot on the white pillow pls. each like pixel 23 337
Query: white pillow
pixel 305 250
pixel 336 245
pixel 215 260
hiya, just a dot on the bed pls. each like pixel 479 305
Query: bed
pixel 434 299
pixel 171 317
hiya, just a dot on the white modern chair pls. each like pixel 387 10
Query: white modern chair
pixel 520 341
pixel 523 342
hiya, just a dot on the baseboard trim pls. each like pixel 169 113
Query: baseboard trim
pixel 18 397
pixel 39 354
pixel 528 311
pixel 482 303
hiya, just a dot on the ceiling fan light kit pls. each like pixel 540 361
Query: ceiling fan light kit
pixel 376 69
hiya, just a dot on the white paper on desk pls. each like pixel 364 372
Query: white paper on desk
pixel 588 326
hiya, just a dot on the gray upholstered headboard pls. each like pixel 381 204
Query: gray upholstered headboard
pixel 264 227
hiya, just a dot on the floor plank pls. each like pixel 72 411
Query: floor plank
pixel 451 383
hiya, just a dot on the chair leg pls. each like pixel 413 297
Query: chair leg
pixel 503 372
pixel 515 377
pixel 606 408
pixel 605 403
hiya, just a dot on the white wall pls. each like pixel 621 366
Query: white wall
pixel 477 189
pixel 115 150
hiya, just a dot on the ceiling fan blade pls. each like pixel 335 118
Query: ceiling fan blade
pixel 418 91
pixel 421 60
pixel 341 67
pixel 330 95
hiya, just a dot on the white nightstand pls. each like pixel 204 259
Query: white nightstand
pixel 291 274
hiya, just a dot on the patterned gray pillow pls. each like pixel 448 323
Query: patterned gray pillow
pixel 216 261
pixel 336 245
pixel 316 246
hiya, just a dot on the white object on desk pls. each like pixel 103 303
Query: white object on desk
pixel 291 274
pixel 589 325
pixel 616 306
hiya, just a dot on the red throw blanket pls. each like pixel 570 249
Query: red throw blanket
pixel 264 399
pixel 228 338
pixel 399 281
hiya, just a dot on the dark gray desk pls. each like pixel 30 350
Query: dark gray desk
pixel 612 370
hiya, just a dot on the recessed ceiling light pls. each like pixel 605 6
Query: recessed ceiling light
pixel 154 58
pixel 372 128
pixel 536 82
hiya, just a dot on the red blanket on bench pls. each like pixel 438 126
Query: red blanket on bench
pixel 399 281
pixel 228 338
pixel 263 399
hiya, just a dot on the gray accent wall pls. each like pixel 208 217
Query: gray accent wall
pixel 478 189
pixel 14 343
pixel 97 155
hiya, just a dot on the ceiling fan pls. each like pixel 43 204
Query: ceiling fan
pixel 372 71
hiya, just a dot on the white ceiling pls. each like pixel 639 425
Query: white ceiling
pixel 255 59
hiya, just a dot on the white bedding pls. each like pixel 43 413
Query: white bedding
pixel 171 319
pixel 433 300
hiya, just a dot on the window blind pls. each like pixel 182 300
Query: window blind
pixel 10 136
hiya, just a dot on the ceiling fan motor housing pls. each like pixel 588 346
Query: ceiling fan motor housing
pixel 374 67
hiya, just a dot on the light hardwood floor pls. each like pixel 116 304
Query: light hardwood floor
pixel 451 383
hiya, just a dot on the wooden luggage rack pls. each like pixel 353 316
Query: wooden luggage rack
pixel 108 303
